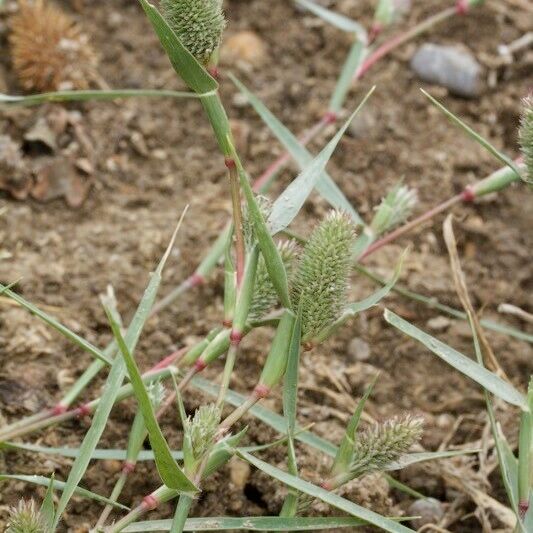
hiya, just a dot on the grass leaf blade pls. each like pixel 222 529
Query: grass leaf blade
pixel 170 473
pixel 326 187
pixel 326 496
pixel 460 362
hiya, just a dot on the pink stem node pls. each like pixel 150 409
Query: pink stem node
pixel 330 117
pixel 326 485
pixel 261 391
pixel 462 7
pixel 469 194
pixel 195 280
pixel 235 337
pixel 199 365
pixel 230 163
pixel 128 467
pixel 150 502
pixel 83 410
pixel 59 409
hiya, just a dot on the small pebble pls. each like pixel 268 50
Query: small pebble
pixel 429 510
pixel 450 67
pixel 364 124
pixel 359 350
pixel 439 323
pixel 239 472
pixel 111 466
pixel 245 47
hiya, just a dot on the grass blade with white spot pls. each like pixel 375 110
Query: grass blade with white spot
pixel 460 362
pixel 249 523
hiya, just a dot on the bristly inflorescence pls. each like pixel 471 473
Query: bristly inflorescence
pixel 321 279
pixel 265 296
pixel 49 50
pixel 383 444
pixel 25 519
pixel 203 428
pixel 526 136
pixel 394 208
pixel 197 23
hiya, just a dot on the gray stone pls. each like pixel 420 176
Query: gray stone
pixel 429 510
pixel 359 350
pixel 450 67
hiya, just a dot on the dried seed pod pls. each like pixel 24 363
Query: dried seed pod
pixel 526 136
pixel 48 49
pixel 25 519
pixel 321 280
pixel 197 23
pixel 384 443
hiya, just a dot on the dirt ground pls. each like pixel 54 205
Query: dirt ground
pixel 133 166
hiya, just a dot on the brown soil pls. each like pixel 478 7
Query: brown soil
pixel 147 159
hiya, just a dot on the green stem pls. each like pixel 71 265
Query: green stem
pixel 117 489
pixel 228 371
pixel 182 512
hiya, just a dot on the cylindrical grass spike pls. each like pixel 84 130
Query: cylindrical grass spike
pixel 265 295
pixel 526 136
pixel 25 519
pixel 384 443
pixel 202 429
pixel 321 279
pixel 197 23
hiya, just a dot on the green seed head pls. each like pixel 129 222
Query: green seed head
pixel 197 23
pixel 394 209
pixel 265 295
pixel 202 429
pixel 526 136
pixel 156 393
pixel 321 280
pixel 376 448
pixel 25 519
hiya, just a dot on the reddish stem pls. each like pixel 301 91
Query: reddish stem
pixel 444 206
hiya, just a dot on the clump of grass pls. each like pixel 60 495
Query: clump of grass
pixel 49 50
pixel 312 302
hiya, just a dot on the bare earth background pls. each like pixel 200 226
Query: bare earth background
pixel 146 159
